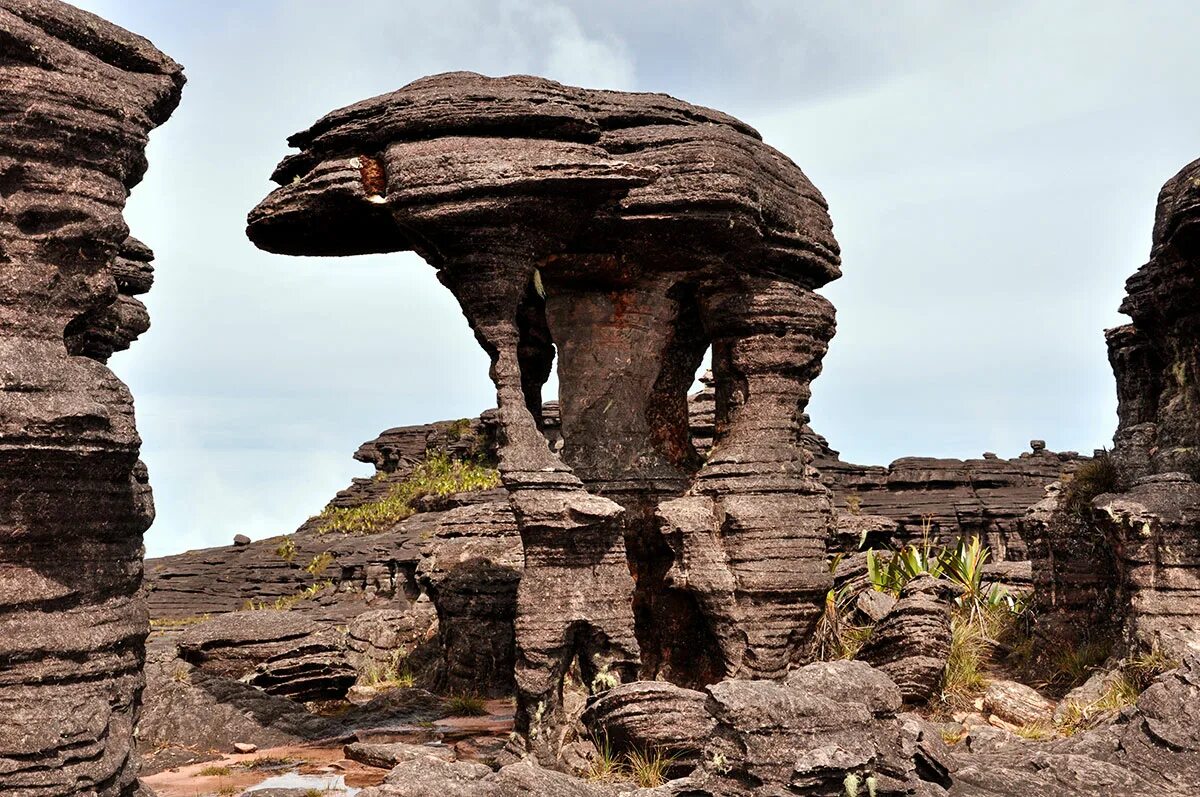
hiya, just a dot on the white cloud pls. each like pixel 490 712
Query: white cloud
pixel 991 169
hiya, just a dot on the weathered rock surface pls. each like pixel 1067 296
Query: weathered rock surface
pixel 280 652
pixel 389 755
pixel 912 641
pixel 570 241
pixel 827 723
pixel 1151 750
pixel 1018 704
pixel 79 99
pixel 986 497
pixel 468 779
pixel 470 567
pixel 651 715
pixel 200 711
pixel 1119 556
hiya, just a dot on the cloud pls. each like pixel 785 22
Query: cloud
pixel 991 170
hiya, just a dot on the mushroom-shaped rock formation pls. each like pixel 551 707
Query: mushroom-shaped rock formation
pixel 79 98
pixel 629 232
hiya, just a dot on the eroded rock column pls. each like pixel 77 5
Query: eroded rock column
pixel 79 98
pixel 627 232
pixel 750 538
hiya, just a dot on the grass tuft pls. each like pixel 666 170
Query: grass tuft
pixel 466 705
pixel 179 622
pixel 285 602
pixel 649 769
pixel 606 765
pixel 969 647
pixel 1036 731
pixel 214 772
pixel 1094 477
pixel 437 475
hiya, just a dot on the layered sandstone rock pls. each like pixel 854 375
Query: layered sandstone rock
pixel 79 99
pixel 1117 555
pixel 912 641
pixel 626 233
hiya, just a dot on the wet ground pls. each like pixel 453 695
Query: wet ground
pixel 323 766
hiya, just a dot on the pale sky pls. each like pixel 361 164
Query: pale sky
pixel 991 170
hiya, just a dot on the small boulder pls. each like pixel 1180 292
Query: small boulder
pixel 244 747
pixel 240 540
pixel 1018 704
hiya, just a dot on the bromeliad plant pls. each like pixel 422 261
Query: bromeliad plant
pixel 962 564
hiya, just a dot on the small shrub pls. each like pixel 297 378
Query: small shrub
pixel 319 564
pixel 286 550
pixel 835 637
pixel 649 769
pixel 457 429
pixel 854 504
pixel 1092 478
pixel 437 475
pixel 214 772
pixel 466 705
pixel 952 736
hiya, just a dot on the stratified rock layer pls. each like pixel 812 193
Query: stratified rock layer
pixel 1119 556
pixel 912 641
pixel 79 99
pixel 624 233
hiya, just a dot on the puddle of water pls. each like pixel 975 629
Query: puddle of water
pixel 294 780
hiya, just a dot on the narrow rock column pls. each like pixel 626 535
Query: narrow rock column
pixel 574 601
pixel 79 98
pixel 751 536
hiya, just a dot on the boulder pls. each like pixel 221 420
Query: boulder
pixel 651 715
pixel 912 641
pixel 1018 704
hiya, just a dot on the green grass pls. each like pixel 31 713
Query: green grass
pixel 393 675
pixel 1036 731
pixel 437 475
pixel 286 550
pixel 319 564
pixel 466 705
pixel 1120 692
pixel 648 769
pixel 1074 665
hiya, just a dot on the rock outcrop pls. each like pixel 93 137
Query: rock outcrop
pixel 1152 749
pixel 80 97
pixel 593 225
pixel 1117 549
pixel 912 641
